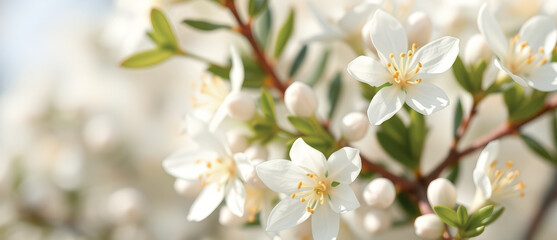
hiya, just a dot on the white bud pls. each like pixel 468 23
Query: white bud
pixel 237 142
pixel 126 205
pixel 252 178
pixel 419 28
pixel 380 193
pixel 376 221
pixel 100 133
pixel 429 226
pixel 229 219
pixel 186 188
pixel 476 49
pixel 300 100
pixel 256 151
pixel 354 126
pixel 240 106
pixel 441 192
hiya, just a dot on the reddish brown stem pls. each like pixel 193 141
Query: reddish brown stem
pixel 401 183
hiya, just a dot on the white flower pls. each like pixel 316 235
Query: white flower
pixel 300 100
pixel 380 193
pixel 315 187
pixel 525 56
pixel 213 166
pixel 429 226
pixel 376 221
pixel 441 192
pixel 494 185
pixel 353 126
pixel 403 70
pixel 476 49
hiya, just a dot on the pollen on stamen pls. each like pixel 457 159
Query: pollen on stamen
pixel 389 65
pixel 510 164
pixel 309 175
pixel 521 186
pixel 302 199
pixel 209 165
pixel 419 80
pixel 402 55
pixel 310 210
pixel 492 165
pixel 420 64
pixel 300 185
pixel 543 61
pixel 293 195
pixel 392 55
pixel 523 45
pixel 541 50
pixel 414 47
pixel 530 60
pixel 498 173
pixel 410 53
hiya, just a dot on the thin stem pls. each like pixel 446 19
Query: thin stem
pixel 402 184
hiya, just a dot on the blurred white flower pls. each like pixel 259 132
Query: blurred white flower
pixel 300 100
pixel 315 187
pixel 380 193
pixel 441 192
pixel 429 226
pixel 524 57
pixel 126 205
pixel 353 126
pixel 403 72
pixel 376 221
pixel 100 133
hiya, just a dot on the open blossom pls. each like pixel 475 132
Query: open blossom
pixel 525 57
pixel 315 187
pixel 493 184
pixel 213 166
pixel 405 71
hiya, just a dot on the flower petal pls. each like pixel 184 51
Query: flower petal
pixel 182 164
pixel 493 34
pixel 244 166
pixel 325 223
pixel 237 70
pixel 487 156
pixel 388 35
pixel 280 175
pixel 539 31
pixel 235 197
pixel 544 78
pixel 437 56
pixel 344 165
pixel 286 214
pixel 367 70
pixel 330 32
pixel 207 201
pixel 426 98
pixel 516 78
pixel 303 155
pixel 343 199
pixel 385 104
pixel 219 116
pixel 482 182
pixel 354 19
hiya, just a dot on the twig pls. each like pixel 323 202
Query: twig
pixel 402 184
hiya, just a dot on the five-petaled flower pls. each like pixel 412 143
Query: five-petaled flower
pixel 405 71
pixel 525 56
pixel 314 187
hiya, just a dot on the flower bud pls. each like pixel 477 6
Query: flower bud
pixel 240 106
pixel 476 49
pixel 126 205
pixel 429 226
pixel 100 133
pixel 256 151
pixel 380 193
pixel 354 126
pixel 441 192
pixel 376 221
pixel 186 188
pixel 237 142
pixel 419 28
pixel 300 100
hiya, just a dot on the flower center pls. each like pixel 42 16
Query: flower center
pixel 503 182
pixel 216 171
pixel 313 193
pixel 210 93
pixel 522 59
pixel 255 200
pixel 401 71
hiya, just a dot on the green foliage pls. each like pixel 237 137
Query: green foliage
pixel 468 225
pixel 255 7
pixel 320 68
pixel 404 144
pixel 313 134
pixel 298 61
pixel 204 25
pixel 262 28
pixel 469 79
pixel 253 74
pixel 334 93
pixel 162 30
pixel 147 58
pixel 457 117
pixel 284 34
pixel 538 148
pixel 334 184
pixel 520 106
pixel 267 105
pixel 408 206
pixel 264 126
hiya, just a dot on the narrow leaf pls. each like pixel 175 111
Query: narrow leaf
pixel 476 75
pixel 417 132
pixel 320 68
pixel 457 117
pixel 284 34
pixel 461 75
pixel 494 216
pixel 147 58
pixel 447 215
pixel 536 147
pixel 298 61
pixel 476 220
pixel 263 27
pixel 334 92
pixel 162 28
pixel 462 214
pixel 473 232
pixel 267 105
pixel 301 125
pixel 256 6
pixel 204 25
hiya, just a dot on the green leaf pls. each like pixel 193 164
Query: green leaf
pixel 476 220
pixel 147 58
pixel 417 132
pixel 263 27
pixel 320 68
pixel 334 184
pixel 513 96
pixel 494 216
pixel 461 75
pixel 395 150
pixel 318 143
pixel 476 75
pixel 473 232
pixel 302 125
pixel 533 104
pixel 298 61
pixel 447 215
pixel 284 34
pixel 334 92
pixel 457 117
pixel 537 147
pixel 267 105
pixel 455 171
pixel 256 6
pixel 409 207
pixel 462 214
pixel 162 29
pixel 204 25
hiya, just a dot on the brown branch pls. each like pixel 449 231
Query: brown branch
pixel 245 29
pixel 401 183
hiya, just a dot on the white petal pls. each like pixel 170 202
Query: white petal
pixel 354 19
pixel 345 165
pixel 343 199
pixel 493 34
pixel 207 201
pixel 303 155
pixel 437 56
pixel 481 180
pixel 182 164
pixel 286 214
pixel 244 166
pixel 544 78
pixel 367 70
pixel 280 175
pixel 325 223
pixel 539 31
pixel 426 98
pixel 219 116
pixel 237 70
pixel 516 78
pixel 385 104
pixel 330 32
pixel 236 197
pixel 200 133
pixel 388 35
pixel 488 155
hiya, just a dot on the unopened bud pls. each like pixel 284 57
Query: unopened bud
pixel 476 49
pixel 441 192
pixel 419 28
pixel 126 205
pixel 240 106
pixel 237 142
pixel 186 188
pixel 376 221
pixel 256 151
pixel 354 126
pixel 300 100
pixel 380 193
pixel 429 226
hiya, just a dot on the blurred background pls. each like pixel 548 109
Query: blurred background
pixel 82 139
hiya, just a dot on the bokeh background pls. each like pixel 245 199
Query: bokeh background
pixel 82 139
